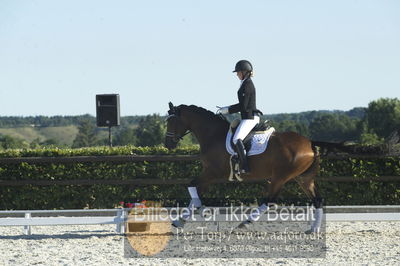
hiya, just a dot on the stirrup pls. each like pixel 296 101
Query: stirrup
pixel 244 170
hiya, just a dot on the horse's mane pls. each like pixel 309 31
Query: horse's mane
pixel 203 111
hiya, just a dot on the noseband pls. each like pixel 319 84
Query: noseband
pixel 175 137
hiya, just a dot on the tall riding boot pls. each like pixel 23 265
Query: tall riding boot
pixel 242 156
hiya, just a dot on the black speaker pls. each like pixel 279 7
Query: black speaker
pixel 107 110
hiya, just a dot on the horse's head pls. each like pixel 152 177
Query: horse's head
pixel 176 128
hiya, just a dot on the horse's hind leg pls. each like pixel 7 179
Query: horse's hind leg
pixel 273 190
pixel 307 183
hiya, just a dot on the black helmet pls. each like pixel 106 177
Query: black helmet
pixel 243 65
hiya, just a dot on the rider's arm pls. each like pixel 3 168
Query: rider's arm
pixel 234 108
pixel 246 98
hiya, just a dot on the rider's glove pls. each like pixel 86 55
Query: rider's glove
pixel 223 110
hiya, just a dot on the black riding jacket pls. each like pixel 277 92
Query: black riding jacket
pixel 247 100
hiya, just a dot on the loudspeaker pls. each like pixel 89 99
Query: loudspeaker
pixel 107 110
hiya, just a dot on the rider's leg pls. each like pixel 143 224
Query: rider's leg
pixel 244 128
pixel 241 151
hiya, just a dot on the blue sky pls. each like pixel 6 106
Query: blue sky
pixel 55 56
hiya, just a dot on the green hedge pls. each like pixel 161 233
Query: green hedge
pixel 109 196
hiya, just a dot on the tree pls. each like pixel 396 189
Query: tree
pixel 383 117
pixel 86 136
pixel 126 136
pixel 290 125
pixel 188 140
pixel 8 142
pixel 37 143
pixel 370 139
pixel 150 131
pixel 330 127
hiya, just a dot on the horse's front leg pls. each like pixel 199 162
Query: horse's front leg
pixel 196 188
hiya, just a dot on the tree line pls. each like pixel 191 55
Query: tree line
pixel 55 121
pixel 370 125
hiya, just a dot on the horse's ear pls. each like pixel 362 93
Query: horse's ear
pixel 172 109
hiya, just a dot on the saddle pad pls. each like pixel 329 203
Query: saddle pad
pixel 259 142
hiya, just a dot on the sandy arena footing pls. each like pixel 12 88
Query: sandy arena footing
pixel 347 243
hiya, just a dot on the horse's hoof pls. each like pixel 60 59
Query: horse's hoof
pixel 178 223
pixel 244 225
pixel 196 202
pixel 312 231
pixel 203 212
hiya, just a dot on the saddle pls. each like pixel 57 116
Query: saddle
pixel 260 128
pixel 255 143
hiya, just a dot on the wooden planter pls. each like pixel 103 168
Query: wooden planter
pixel 137 227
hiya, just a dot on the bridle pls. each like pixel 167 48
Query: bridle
pixel 175 137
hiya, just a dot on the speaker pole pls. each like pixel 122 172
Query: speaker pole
pixel 109 136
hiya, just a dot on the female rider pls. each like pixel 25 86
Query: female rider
pixel 247 108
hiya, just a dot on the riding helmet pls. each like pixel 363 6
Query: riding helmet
pixel 243 65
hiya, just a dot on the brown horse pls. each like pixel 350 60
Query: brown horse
pixel 288 156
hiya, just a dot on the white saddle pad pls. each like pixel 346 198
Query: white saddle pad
pixel 259 142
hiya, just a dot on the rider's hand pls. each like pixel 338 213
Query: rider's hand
pixel 223 110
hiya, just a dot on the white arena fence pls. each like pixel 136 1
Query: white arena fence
pixel 119 217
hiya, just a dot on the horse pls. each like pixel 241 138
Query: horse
pixel 288 156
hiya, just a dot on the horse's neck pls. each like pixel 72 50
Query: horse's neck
pixel 208 130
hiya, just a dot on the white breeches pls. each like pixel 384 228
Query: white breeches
pixel 244 128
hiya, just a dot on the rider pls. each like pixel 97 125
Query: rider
pixel 247 108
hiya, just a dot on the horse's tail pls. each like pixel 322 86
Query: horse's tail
pixel 314 167
pixel 333 147
pixel 330 146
